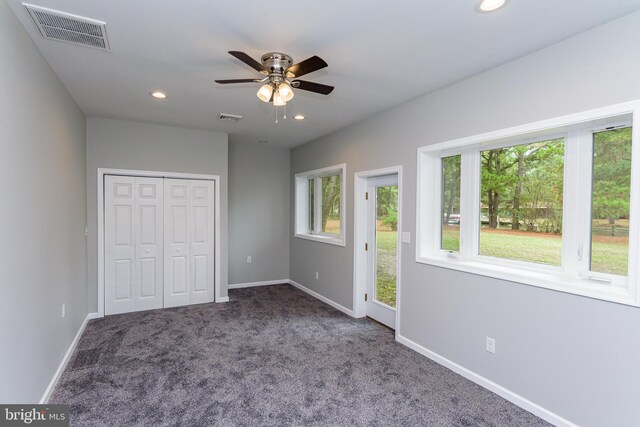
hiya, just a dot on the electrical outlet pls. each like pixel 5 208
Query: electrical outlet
pixel 491 345
pixel 249 260
pixel 64 309
pixel 317 276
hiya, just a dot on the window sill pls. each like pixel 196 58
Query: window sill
pixel 322 239
pixel 542 279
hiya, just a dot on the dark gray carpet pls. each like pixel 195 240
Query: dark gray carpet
pixel 272 356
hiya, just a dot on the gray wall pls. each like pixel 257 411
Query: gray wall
pixel 575 356
pixel 43 215
pixel 258 213
pixel 121 144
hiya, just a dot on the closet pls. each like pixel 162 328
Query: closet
pixel 158 242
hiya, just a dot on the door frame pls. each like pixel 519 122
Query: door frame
pixel 155 174
pixel 360 238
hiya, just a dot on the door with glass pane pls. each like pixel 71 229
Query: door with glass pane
pixel 382 249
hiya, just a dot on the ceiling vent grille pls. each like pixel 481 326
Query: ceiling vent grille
pixel 55 25
pixel 229 117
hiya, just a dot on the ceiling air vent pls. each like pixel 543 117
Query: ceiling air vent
pixel 229 117
pixel 55 25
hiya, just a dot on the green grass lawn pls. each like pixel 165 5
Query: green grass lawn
pixel 386 252
pixel 608 255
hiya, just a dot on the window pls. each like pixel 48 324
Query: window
pixel 521 194
pixel 330 206
pixel 611 201
pixel 320 205
pixel 450 204
pixel 550 204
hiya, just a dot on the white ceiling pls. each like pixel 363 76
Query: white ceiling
pixel 380 54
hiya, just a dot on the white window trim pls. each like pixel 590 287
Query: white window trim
pixel 428 219
pixel 301 214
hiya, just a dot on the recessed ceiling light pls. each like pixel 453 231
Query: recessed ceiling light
pixel 486 6
pixel 158 94
pixel 298 117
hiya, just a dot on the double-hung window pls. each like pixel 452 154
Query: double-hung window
pixel 551 204
pixel 320 205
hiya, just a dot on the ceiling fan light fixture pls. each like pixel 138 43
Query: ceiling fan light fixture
pixel 265 92
pixel 278 100
pixel 486 6
pixel 285 92
pixel 276 89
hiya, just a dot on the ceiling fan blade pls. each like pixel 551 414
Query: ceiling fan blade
pixel 224 82
pixel 312 87
pixel 307 66
pixel 248 60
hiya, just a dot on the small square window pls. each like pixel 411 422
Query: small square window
pixel 320 205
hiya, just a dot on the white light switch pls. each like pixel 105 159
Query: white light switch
pixel 249 260
pixel 406 237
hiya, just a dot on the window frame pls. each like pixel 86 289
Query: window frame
pixel 302 205
pixel 571 276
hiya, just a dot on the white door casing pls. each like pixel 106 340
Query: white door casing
pixel 133 244
pixel 102 174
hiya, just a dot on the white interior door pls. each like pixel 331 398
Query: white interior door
pixel 382 249
pixel 133 244
pixel 188 238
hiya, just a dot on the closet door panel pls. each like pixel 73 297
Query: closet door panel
pixel 149 227
pixel 176 246
pixel 159 243
pixel 201 238
pixel 119 265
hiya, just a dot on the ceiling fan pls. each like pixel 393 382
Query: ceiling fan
pixel 279 69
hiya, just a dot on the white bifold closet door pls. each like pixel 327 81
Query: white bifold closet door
pixel 133 216
pixel 159 243
pixel 188 242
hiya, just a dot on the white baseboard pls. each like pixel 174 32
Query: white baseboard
pixel 322 298
pixel 512 397
pixel 252 284
pixel 222 299
pixel 65 359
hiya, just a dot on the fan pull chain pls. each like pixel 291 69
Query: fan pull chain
pixel 285 111
pixel 276 114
